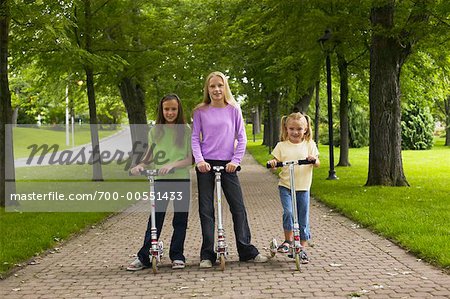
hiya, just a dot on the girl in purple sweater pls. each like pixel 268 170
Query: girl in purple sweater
pixel 217 125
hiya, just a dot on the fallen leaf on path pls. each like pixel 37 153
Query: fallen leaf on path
pixel 378 286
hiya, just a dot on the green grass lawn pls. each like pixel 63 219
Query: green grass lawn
pixel 23 137
pixel 416 217
pixel 25 234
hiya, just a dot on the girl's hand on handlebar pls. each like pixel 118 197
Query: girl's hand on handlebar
pixel 165 169
pixel 136 170
pixel 272 163
pixel 313 159
pixel 203 166
pixel 231 167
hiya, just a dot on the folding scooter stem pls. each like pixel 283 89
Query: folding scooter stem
pixel 219 201
pixel 294 206
pixel 154 233
pixel 221 243
pixel 155 250
pixel 220 231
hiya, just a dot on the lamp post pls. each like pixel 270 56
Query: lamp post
pixel 67 112
pixel 253 123
pixel 70 112
pixel 322 40
pixel 270 126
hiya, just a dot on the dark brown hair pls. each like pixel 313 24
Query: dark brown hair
pixel 160 120
pixel 180 120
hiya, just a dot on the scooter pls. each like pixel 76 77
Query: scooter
pixel 157 247
pixel 295 248
pixel 222 247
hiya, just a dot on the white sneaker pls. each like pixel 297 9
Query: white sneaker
pixel 260 258
pixel 178 264
pixel 136 265
pixel 205 264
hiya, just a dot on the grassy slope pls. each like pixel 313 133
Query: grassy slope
pixel 26 234
pixel 24 137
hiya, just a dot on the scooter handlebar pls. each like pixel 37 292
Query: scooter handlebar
pixel 150 172
pixel 295 162
pixel 222 168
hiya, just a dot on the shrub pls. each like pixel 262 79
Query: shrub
pixel 358 119
pixel 417 127
pixel 359 125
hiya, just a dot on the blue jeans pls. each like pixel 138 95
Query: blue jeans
pixel 179 224
pixel 233 193
pixel 302 211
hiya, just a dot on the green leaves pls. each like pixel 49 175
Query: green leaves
pixel 417 127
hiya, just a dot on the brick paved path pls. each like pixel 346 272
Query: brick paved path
pixel 346 260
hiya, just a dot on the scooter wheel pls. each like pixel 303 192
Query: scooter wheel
pixel 273 247
pixel 222 262
pixel 297 262
pixel 154 265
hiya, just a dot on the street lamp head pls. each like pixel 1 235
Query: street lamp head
pixel 325 37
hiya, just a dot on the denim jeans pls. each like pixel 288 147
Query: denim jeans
pixel 179 224
pixel 233 193
pixel 302 211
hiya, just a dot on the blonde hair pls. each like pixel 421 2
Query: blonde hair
pixel 295 116
pixel 229 99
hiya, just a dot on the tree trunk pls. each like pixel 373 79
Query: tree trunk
pixel 272 120
pixel 256 122
pixel 96 162
pixel 4 93
pixel 304 101
pixel 15 115
pixel 133 98
pixel 274 103
pixel 386 59
pixel 266 132
pixel 343 112
pixel 447 121
pixel 7 174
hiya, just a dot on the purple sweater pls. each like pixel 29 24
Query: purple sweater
pixel 214 132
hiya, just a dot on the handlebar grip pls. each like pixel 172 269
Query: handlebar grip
pixel 279 164
pixel 304 162
pixel 298 162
